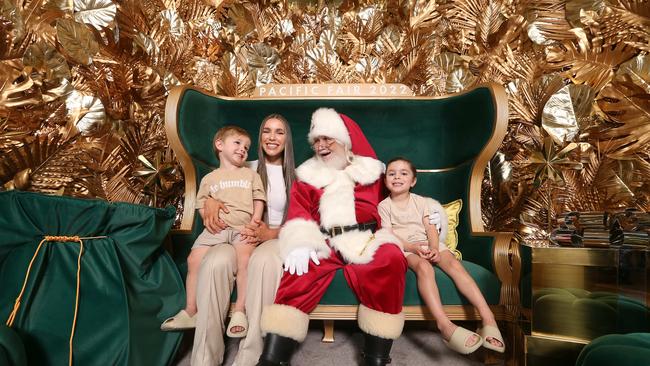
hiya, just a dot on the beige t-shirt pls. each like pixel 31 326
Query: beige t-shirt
pixel 407 223
pixel 236 189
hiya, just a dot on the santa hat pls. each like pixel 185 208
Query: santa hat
pixel 327 122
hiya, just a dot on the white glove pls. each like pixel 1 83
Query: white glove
pixel 297 261
pixel 434 218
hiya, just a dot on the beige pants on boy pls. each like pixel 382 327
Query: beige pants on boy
pixel 215 284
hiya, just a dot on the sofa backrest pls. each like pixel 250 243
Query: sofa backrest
pixel 450 139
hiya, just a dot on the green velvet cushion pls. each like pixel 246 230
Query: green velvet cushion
pixel 339 293
pixel 128 285
pixel 617 349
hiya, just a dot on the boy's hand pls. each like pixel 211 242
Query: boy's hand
pixel 211 219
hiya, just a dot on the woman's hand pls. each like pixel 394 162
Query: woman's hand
pixel 211 219
pixel 257 231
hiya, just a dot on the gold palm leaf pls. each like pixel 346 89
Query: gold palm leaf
pixel 549 27
pixel 588 66
pixel 628 104
pixel 549 163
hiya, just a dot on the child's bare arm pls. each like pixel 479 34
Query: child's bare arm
pixel 258 210
pixel 432 238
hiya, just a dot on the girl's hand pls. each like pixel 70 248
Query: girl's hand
pixel 211 219
pixel 423 251
pixel 435 255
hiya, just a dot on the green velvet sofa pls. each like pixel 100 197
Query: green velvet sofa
pixel 449 139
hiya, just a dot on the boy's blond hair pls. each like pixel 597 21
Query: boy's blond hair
pixel 225 132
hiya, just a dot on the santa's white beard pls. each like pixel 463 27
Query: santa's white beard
pixel 335 161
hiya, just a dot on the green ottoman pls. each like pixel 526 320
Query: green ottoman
pixel 617 349
pixel 128 284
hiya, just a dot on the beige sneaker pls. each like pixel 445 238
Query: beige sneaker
pixel 180 321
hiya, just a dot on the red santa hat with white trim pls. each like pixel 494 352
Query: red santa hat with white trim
pixel 329 123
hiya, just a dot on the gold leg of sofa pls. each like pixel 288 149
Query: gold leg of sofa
pixel 328 331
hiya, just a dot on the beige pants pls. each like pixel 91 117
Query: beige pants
pixel 215 283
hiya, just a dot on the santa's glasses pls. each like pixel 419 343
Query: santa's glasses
pixel 322 141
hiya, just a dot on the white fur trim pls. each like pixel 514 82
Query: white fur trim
pixel 286 321
pixel 298 233
pixel 327 122
pixel 435 206
pixel 363 170
pixel 336 206
pixel 380 324
pixel 357 247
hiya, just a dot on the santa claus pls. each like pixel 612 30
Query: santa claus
pixel 332 223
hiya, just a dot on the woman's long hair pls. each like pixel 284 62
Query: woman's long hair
pixel 288 162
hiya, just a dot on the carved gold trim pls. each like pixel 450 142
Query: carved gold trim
pixel 171 127
pixel 454 312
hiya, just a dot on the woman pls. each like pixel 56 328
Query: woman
pixel 217 271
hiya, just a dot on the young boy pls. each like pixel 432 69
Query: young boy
pixel 407 215
pixel 242 192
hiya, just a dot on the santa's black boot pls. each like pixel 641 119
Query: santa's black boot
pixel 376 351
pixel 277 350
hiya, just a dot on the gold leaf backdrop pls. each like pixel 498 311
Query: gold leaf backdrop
pixel 83 86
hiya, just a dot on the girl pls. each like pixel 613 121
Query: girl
pixel 407 215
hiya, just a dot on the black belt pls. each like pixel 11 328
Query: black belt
pixel 338 230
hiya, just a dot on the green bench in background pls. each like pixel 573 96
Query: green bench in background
pixel 449 139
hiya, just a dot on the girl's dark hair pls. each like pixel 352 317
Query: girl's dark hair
pixel 407 161
pixel 288 163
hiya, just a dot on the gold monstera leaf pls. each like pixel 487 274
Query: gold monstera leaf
pixel 98 13
pixel 77 40
pixel 44 58
pixel 15 85
pixel 86 113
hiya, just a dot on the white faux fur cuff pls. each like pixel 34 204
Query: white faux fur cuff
pixel 380 324
pixel 297 233
pixel 286 321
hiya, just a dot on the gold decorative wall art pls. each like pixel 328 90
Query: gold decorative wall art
pixel 84 84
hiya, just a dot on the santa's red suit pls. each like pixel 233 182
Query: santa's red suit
pixel 373 263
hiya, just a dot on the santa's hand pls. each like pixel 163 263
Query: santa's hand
pixel 297 261
pixel 434 218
